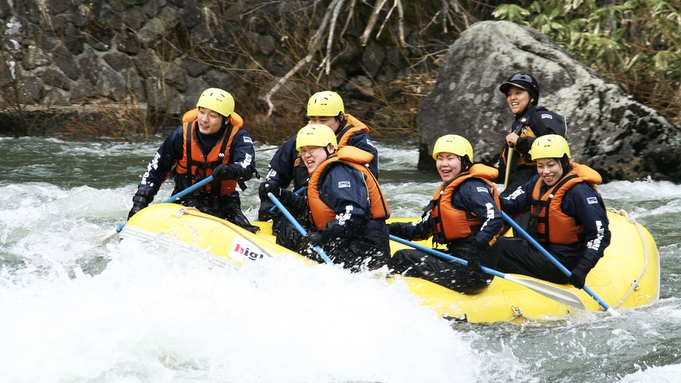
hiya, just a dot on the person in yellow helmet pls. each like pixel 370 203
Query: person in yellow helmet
pixel 568 217
pixel 464 215
pixel 211 141
pixel 286 167
pixel 344 208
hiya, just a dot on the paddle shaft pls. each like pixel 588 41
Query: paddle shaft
pixel 302 189
pixel 553 260
pixel 179 195
pixel 509 161
pixel 445 255
pixel 298 227
pixel 545 289
pixel 509 156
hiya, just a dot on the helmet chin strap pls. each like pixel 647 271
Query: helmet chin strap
pixel 326 150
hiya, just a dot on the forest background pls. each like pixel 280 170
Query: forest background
pixel 635 44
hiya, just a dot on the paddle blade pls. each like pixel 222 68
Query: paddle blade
pixel 105 238
pixel 556 293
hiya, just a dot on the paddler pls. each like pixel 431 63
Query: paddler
pixel 464 215
pixel 211 141
pixel 531 121
pixel 286 166
pixel 568 217
pixel 343 210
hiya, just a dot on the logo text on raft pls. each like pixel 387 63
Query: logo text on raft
pixel 246 251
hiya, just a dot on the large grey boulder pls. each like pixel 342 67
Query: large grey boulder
pixel 607 129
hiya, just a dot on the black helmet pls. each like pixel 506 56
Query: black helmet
pixel 524 81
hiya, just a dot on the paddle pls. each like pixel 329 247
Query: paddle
pixel 302 189
pixel 106 237
pixel 300 229
pixel 549 291
pixel 562 268
pixel 509 157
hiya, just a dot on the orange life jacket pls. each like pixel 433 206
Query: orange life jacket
pixel 321 213
pixel 554 226
pixel 195 160
pixel 450 222
pixel 352 126
pixel 524 159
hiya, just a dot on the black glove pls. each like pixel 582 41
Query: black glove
pixel 578 275
pixel 397 228
pixel 226 172
pixel 139 201
pixel 264 213
pixel 474 266
pixel 262 192
pixel 473 254
pixel 283 195
pixel 313 238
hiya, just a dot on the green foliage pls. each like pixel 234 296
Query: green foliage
pixel 634 43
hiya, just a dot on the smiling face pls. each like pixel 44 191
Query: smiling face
pixel 517 99
pixel 209 121
pixel 550 170
pixel 448 165
pixel 313 156
pixel 329 121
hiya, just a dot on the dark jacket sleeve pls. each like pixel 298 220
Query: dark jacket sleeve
pixel 586 205
pixel 167 155
pixel 281 168
pixel 417 231
pixel 518 202
pixel 476 196
pixel 243 153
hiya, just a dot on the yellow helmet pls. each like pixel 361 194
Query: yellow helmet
pixel 316 135
pixel 451 143
pixel 550 146
pixel 217 100
pixel 326 103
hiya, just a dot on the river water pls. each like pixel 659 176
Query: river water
pixel 74 310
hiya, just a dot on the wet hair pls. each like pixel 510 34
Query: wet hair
pixel 565 164
pixel 465 163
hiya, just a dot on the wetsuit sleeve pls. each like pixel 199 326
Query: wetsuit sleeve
pixel 585 204
pixel 475 196
pixel 281 167
pixel 417 231
pixel 518 202
pixel 343 189
pixel 362 141
pixel 167 155
pixel 243 154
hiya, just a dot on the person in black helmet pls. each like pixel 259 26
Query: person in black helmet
pixel 531 121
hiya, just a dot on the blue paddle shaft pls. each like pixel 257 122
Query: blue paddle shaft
pixel 553 260
pixel 445 256
pixel 274 208
pixel 179 195
pixel 298 227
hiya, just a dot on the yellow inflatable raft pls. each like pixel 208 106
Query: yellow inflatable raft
pixel 627 276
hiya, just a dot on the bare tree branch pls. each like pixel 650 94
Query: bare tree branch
pixel 372 21
pixel 400 12
pixel 315 42
pixel 329 43
pixel 351 10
